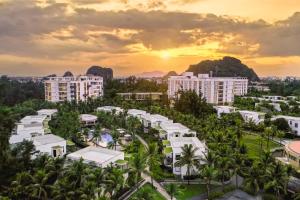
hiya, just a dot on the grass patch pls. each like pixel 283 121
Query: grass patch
pixel 192 190
pixel 253 145
pixel 147 192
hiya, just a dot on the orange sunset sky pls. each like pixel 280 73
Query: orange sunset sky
pixel 41 37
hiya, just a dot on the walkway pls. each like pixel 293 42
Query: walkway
pixel 147 178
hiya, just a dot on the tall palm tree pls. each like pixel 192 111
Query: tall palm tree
pixel 254 178
pixel 116 181
pixel 20 187
pixel 153 159
pixel 173 190
pixel 138 164
pixel 224 164
pixel 189 159
pixel 39 187
pixel 208 173
pixel 268 133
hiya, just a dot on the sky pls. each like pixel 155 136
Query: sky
pixel 42 37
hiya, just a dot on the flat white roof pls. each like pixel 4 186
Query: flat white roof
pixel 251 112
pixel 88 117
pixel 95 154
pixel 286 117
pixel 173 126
pixel 228 107
pixel 47 139
pixel 31 119
pixel 136 112
pixel 176 142
pixel 47 111
pixel 109 108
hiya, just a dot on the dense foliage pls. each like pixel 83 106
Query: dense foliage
pixel 226 67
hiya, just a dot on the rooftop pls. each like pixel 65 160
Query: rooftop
pixel 47 139
pixel 136 112
pixel 286 117
pixel 95 154
pixel 88 117
pixel 47 111
pixel 31 119
pixel 176 142
pixel 251 112
pixel 294 146
pixel 110 108
pixel 173 126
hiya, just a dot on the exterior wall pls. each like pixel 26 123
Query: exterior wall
pixel 47 148
pixel 293 158
pixel 58 89
pixel 252 116
pixel 294 125
pixel 113 160
pixel 216 90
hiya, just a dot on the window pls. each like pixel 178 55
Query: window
pixel 177 157
pixel 296 125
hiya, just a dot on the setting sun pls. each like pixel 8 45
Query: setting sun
pixel 165 55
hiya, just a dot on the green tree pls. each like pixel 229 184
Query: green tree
pixel 208 173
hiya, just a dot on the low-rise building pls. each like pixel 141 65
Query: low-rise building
pixel 98 156
pixel 47 112
pixel 141 96
pixel 224 109
pixel 88 120
pixel 294 123
pixel 173 152
pixel 291 154
pixel 170 129
pixel 252 116
pixel 110 109
pixel 153 121
pixel 136 113
pixel 273 97
pixel 50 144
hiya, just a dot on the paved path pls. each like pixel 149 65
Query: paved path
pixel 147 178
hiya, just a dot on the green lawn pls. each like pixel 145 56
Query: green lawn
pixel 253 145
pixel 147 192
pixel 189 191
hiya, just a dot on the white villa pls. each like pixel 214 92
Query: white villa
pixel 255 117
pixel 173 152
pixel 136 113
pixel 47 112
pixel 170 129
pixel 294 123
pixel 98 156
pixel 225 109
pixel 153 121
pixel 50 144
pixel 28 127
pixel 88 120
pixel 110 109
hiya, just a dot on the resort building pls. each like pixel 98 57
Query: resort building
pixel 110 109
pixel 153 121
pixel 141 96
pixel 70 88
pixel 173 151
pixel 224 109
pixel 88 120
pixel 50 144
pixel 170 129
pixel 28 127
pixel 292 154
pixel 294 123
pixel 252 116
pixel 274 98
pixel 98 156
pixel 136 113
pixel 216 90
pixel 49 113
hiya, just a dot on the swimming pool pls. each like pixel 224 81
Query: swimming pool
pixel 106 137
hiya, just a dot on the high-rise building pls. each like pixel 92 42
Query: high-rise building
pixel 70 88
pixel 216 90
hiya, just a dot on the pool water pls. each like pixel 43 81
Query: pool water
pixel 106 137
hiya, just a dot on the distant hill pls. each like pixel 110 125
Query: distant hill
pixel 150 74
pixel 170 73
pixel 226 67
pixel 106 73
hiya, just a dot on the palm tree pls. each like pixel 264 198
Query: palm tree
pixel 115 136
pixel 223 165
pixel 116 181
pixel 138 164
pixel 208 173
pixel 189 159
pixel 153 159
pixel 266 159
pixel 39 187
pixel 19 187
pixel 253 178
pixel 268 133
pixel 173 190
pixel 238 166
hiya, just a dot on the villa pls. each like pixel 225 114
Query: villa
pixel 153 121
pixel 225 109
pixel 294 123
pixel 28 127
pixel 170 129
pixel 173 150
pixel 47 112
pixel 88 120
pixel 50 144
pixel 98 156
pixel 110 109
pixel 136 113
pixel 252 116
pixel 292 154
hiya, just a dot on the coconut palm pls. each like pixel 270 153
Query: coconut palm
pixel 138 164
pixel 208 173
pixel 189 159
pixel 253 178
pixel 223 165
pixel 20 187
pixel 153 159
pixel 173 190
pixel 39 187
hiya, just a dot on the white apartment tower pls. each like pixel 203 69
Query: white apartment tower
pixel 80 88
pixel 216 90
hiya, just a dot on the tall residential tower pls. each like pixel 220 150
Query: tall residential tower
pixel 216 90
